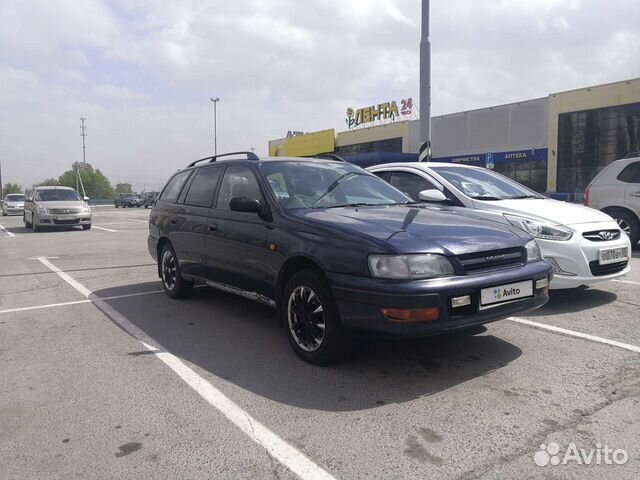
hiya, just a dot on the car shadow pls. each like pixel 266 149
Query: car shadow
pixel 57 229
pixel 241 342
pixel 574 300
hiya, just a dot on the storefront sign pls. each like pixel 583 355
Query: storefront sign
pixel 491 158
pixel 384 111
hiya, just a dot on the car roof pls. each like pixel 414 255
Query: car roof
pixel 53 187
pixel 422 165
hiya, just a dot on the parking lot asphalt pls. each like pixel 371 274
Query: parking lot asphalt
pixel 103 376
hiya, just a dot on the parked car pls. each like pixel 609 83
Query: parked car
pixel 584 246
pixel 13 204
pixel 338 252
pixel 125 200
pixel 616 192
pixel 149 198
pixel 54 207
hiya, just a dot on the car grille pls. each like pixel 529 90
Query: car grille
pixel 482 261
pixel 598 270
pixel 602 235
pixel 64 211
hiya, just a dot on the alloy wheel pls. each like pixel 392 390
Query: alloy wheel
pixel 305 314
pixel 624 226
pixel 169 271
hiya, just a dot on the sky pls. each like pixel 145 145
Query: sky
pixel 142 71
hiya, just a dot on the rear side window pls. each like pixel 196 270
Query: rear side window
pixel 630 173
pixel 172 190
pixel 202 187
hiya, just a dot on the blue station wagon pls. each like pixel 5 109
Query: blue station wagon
pixel 338 252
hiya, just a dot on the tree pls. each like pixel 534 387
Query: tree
pixel 11 188
pixel 49 182
pixel 123 188
pixel 96 185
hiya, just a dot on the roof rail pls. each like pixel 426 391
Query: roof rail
pixel 330 156
pixel 213 158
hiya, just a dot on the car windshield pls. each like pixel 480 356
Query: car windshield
pixel 56 195
pixel 310 184
pixel 14 198
pixel 481 184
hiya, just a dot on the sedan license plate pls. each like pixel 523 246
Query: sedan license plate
pixel 65 217
pixel 492 296
pixel 613 255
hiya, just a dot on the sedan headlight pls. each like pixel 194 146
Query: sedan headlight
pixel 533 252
pixel 539 229
pixel 410 267
pixel 41 210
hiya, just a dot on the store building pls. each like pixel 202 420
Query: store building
pixel 555 144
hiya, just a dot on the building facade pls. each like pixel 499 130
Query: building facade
pixel 553 144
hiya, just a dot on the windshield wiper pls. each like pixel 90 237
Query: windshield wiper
pixel 487 198
pixel 342 205
pixel 522 196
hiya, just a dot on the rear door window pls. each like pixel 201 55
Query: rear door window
pixel 203 187
pixel 173 188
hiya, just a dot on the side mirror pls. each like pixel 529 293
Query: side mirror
pixel 28 200
pixel 86 199
pixel 432 196
pixel 245 204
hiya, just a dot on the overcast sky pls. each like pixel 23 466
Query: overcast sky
pixel 142 71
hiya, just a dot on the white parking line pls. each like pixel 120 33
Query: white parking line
pixel 573 333
pixel 2 229
pixel 286 454
pixel 76 302
pixel 626 281
pixel 105 229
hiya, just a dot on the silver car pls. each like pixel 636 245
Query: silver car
pixel 616 191
pixel 56 207
pixel 13 204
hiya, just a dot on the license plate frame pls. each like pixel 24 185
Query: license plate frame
pixel 497 295
pixel 65 217
pixel 607 256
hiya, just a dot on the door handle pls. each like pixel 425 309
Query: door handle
pixel 213 227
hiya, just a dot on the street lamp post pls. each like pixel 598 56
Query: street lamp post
pixel 215 124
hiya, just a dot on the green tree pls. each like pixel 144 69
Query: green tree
pixel 49 182
pixel 96 185
pixel 11 188
pixel 123 188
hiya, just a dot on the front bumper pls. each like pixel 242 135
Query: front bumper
pixel 52 220
pixel 7 210
pixel 576 256
pixel 360 300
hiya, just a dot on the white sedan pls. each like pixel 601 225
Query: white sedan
pixel 583 245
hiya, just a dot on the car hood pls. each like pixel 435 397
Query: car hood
pixel 14 204
pixel 67 204
pixel 553 211
pixel 420 229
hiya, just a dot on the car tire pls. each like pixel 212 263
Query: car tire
pixel 24 219
pixel 4 214
pixel 317 337
pixel 628 224
pixel 86 227
pixel 116 205
pixel 174 285
pixel 34 224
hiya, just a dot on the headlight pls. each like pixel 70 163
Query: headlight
pixel 533 252
pixel 41 210
pixel 85 209
pixel 538 229
pixel 427 265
